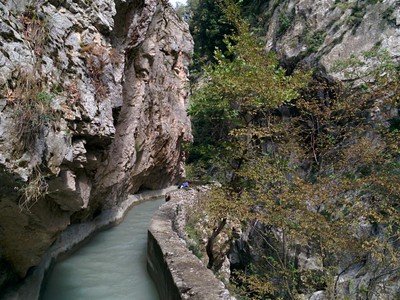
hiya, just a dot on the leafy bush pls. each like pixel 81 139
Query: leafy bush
pixel 236 92
pixel 314 41
pixel 285 21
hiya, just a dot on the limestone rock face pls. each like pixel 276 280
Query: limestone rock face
pixel 92 107
pixel 329 31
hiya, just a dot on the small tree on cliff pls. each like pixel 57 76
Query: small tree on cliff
pixel 237 92
pixel 244 85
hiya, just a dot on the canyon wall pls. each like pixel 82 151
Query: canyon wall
pixel 92 108
pixel 323 33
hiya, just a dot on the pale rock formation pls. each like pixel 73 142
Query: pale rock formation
pixel 328 31
pixel 114 75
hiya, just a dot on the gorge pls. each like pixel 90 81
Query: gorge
pixel 93 108
pixel 292 124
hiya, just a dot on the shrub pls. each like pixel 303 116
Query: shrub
pixel 314 41
pixel 285 21
pixel 97 57
pixel 34 190
pixel 32 108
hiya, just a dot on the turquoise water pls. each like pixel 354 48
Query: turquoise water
pixel 112 265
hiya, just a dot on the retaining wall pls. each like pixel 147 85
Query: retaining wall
pixel 177 272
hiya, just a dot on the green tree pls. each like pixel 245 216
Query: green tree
pixel 304 158
pixel 236 92
pixel 209 26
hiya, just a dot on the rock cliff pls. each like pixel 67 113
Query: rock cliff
pixel 92 107
pixel 325 32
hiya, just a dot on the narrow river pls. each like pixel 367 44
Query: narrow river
pixel 112 265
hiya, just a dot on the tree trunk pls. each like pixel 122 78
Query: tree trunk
pixel 210 243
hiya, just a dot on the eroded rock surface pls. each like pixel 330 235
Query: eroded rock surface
pixel 107 83
pixel 328 31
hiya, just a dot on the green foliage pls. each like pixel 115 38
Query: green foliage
pixel 383 67
pixel 250 284
pixel 389 15
pixel 208 26
pixel 256 13
pixel 236 91
pixel 358 10
pixel 343 5
pixel 194 238
pixel 314 40
pixel 27 92
pixel 353 179
pixel 30 99
pixel 311 176
pixel 285 21
pixel 357 15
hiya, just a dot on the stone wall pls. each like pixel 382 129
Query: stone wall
pixel 177 272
